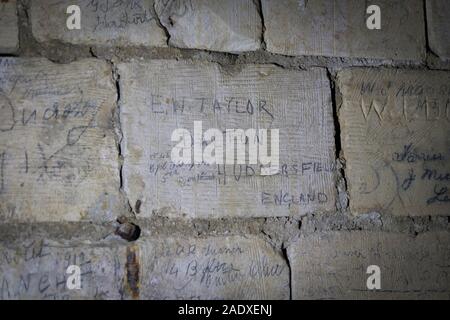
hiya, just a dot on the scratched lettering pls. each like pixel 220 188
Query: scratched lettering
pixel 396 128
pixel 298 105
pixel 57 147
pixel 36 269
pixel 103 22
pixel 220 268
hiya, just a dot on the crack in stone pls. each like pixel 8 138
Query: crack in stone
pixel 119 135
pixel 286 257
pixel 342 201
pixel 160 24
pixel 428 50
pixel 259 8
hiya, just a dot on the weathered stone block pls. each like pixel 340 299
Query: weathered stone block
pixel 37 269
pixel 232 26
pixel 58 157
pixel 9 31
pixel 333 265
pixel 438 26
pixel 157 268
pixel 395 137
pixel 160 96
pixel 103 23
pixel 212 268
pixel 338 28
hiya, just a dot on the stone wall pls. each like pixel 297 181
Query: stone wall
pixel 86 177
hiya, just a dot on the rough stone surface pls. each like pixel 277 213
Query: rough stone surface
pixel 9 31
pixel 156 268
pixel 160 96
pixel 103 23
pixel 86 177
pixel 231 26
pixel 36 269
pixel 338 28
pixel 395 138
pixel 213 268
pixel 58 158
pixel 333 265
pixel 438 26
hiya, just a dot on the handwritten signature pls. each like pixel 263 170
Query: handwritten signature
pixel 440 195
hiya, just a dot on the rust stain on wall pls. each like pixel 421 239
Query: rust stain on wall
pixel 132 269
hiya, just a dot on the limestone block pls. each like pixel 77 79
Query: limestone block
pixel 333 265
pixel 9 31
pixel 213 268
pixel 438 26
pixel 58 157
pixel 158 97
pixel 232 26
pixel 103 23
pixel 338 28
pixel 153 268
pixel 395 138
pixel 37 269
